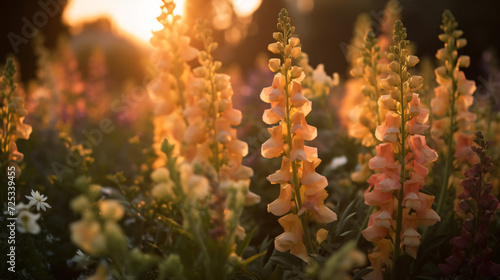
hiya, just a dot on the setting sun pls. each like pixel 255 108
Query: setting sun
pixel 135 18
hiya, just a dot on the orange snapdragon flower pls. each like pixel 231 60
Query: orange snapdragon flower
pixel 302 191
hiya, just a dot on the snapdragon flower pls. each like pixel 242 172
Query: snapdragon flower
pixel 302 190
pixel 401 162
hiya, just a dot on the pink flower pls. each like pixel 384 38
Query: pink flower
pixel 300 127
pixel 389 130
pixel 273 147
pixel 281 176
pixel 314 204
pixel 291 239
pixel 421 152
pixel 463 150
pixel 283 203
pixel 384 158
pixel 441 102
pixel 312 181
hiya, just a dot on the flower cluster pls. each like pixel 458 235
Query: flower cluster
pixel 476 202
pixel 366 115
pixel 401 160
pixel 168 89
pixel 302 190
pixel 27 221
pixel 452 120
pixel 316 82
pixel 13 114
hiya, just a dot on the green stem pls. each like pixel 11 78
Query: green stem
pixel 449 144
pixel 397 243
pixel 295 168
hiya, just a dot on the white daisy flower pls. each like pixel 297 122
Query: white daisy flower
pixel 27 222
pixel 37 199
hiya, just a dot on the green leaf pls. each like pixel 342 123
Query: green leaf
pixel 242 245
pixel 277 273
pixel 362 272
pixel 253 258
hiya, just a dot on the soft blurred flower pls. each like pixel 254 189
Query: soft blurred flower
pixel 111 209
pixel 27 222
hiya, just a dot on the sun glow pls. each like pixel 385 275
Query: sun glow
pixel 132 17
pixel 244 8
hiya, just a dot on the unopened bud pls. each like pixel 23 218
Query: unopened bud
pixel 462 42
pixel 200 72
pixel 296 72
pixel 443 37
pixel 294 42
pixel 412 60
pixel 288 63
pixel 273 48
pixel 296 52
pixel 367 90
pixel 278 36
pixel 441 54
pixel 463 61
pixel 393 79
pixel 416 82
pixel 394 66
pixel 457 33
pixel 274 64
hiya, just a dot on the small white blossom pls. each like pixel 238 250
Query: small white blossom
pixel 27 222
pixel 38 199
pixel 81 259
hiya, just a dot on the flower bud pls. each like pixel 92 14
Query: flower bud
pixel 288 50
pixel 217 65
pixel 203 104
pixel 462 42
pixel 336 79
pixel 395 95
pixel 294 41
pixel 408 96
pixel 296 52
pixel 200 72
pixel 441 54
pixel 356 72
pixel 443 37
pixel 387 102
pixel 288 64
pixel 278 36
pixel 273 48
pixel 394 66
pixel 274 64
pixel 457 33
pixel 416 82
pixel 367 90
pixel 213 46
pixel 393 79
pixel 441 71
pixel 296 72
pixel 463 61
pixel 412 60
pixel 384 84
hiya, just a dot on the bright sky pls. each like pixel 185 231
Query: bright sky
pixel 135 17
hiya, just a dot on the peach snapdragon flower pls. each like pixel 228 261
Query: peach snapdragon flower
pixel 402 208
pixel 13 126
pixel 168 89
pixel 452 128
pixel 302 191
